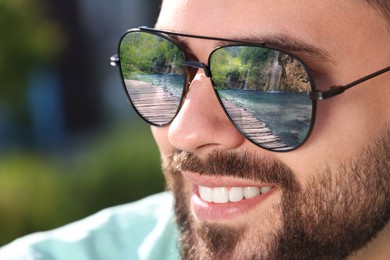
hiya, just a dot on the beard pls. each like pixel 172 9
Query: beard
pixel 336 214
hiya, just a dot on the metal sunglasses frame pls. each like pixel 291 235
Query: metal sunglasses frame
pixel 314 95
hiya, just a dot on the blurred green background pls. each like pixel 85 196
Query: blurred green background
pixel 70 144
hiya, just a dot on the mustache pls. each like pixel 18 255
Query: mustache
pixel 245 165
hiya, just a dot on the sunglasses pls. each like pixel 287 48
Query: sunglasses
pixel 269 95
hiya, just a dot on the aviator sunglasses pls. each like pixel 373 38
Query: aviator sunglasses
pixel 269 95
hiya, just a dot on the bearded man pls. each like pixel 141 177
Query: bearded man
pixel 275 143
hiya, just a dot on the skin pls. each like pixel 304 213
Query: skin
pixel 355 39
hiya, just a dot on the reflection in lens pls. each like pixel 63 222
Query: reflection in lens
pixel 265 93
pixel 153 75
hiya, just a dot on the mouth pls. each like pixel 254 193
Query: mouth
pixel 219 199
pixel 230 194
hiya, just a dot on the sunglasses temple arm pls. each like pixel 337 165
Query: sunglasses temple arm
pixel 336 90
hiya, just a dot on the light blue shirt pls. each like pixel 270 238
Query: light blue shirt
pixel 140 230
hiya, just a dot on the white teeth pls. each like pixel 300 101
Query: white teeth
pixel 265 189
pixel 220 195
pixel 236 194
pixel 206 193
pixel 233 194
pixel 250 192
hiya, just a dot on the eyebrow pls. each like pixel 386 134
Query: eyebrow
pixel 288 44
pixel 279 41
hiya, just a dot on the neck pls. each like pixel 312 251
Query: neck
pixel 378 248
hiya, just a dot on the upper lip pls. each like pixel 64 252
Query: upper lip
pixel 221 181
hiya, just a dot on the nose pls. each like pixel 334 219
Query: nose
pixel 201 122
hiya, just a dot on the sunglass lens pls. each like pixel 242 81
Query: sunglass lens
pixel 153 74
pixel 265 94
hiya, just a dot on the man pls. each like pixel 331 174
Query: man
pixel 269 183
pixel 329 198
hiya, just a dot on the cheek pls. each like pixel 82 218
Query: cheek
pixel 344 126
pixel 350 122
pixel 160 135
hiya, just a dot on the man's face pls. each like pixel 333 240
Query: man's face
pixel 327 198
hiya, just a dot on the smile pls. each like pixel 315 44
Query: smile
pixel 220 199
pixel 230 194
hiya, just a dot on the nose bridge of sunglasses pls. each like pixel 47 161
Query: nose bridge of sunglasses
pixel 198 65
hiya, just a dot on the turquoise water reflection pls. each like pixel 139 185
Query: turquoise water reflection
pixel 288 115
pixel 170 82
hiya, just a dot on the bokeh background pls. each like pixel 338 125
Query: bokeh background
pixel 70 144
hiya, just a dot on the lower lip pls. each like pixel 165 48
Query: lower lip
pixel 215 212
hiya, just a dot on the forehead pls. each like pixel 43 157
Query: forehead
pixel 279 14
pixel 312 19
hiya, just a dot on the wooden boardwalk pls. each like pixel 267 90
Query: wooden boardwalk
pixel 148 99
pixel 255 129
